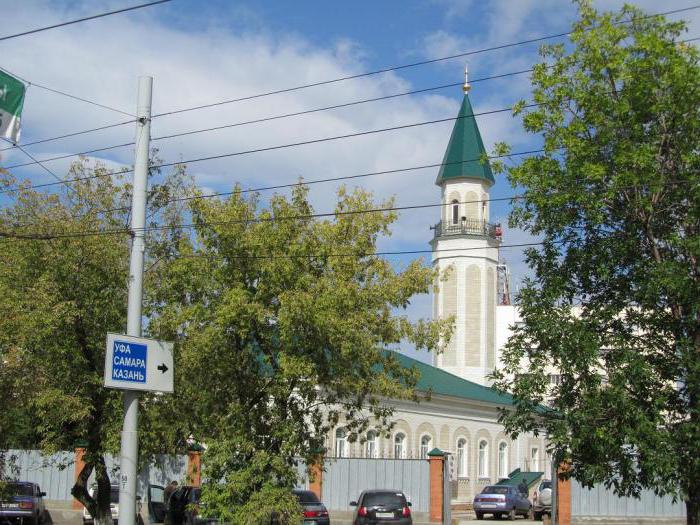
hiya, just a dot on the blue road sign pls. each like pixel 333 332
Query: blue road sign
pixel 129 361
pixel 137 363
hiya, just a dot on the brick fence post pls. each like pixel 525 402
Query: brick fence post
pixel 563 497
pixel 315 471
pixel 194 468
pixel 78 464
pixel 436 457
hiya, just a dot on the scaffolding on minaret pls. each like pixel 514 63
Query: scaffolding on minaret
pixel 503 292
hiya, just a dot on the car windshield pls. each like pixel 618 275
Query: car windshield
pixel 377 499
pixel 20 489
pixel 306 496
pixel 546 485
pixel 195 495
pixel 495 490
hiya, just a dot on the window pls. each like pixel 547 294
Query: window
pixel 455 211
pixel 503 460
pixel 399 445
pixel 340 443
pixel 462 458
pixel 425 446
pixel 534 459
pixel 371 444
pixel 483 459
pixel 555 379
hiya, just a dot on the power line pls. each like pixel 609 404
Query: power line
pixel 74 134
pixel 275 117
pixel 257 220
pixel 290 145
pixel 52 90
pixel 93 17
pixel 404 66
pixel 415 64
pixel 59 179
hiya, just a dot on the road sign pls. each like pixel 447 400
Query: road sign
pixel 136 363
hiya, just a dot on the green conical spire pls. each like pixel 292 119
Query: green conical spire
pixel 465 146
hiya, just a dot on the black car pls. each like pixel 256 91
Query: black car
pixel 380 506
pixel 186 506
pixel 315 512
pixel 23 503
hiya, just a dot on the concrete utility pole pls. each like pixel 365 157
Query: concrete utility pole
pixel 130 443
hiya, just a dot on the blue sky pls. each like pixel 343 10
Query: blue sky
pixel 201 52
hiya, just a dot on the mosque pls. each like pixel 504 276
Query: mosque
pixel 462 414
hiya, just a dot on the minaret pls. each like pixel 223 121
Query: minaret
pixel 465 245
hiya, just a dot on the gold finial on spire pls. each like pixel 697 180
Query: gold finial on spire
pixel 466 86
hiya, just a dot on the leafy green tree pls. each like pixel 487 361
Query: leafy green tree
pixel 614 302
pixel 282 323
pixel 62 288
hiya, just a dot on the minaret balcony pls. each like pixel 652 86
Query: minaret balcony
pixel 468 227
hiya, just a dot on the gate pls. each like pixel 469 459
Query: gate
pixel 345 478
pixel 447 475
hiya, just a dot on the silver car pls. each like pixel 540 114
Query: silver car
pixel 542 500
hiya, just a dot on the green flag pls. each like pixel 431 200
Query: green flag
pixel 11 101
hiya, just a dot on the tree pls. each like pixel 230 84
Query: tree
pixel 63 285
pixel 282 323
pixel 613 304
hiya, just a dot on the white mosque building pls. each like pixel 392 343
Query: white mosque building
pixel 462 414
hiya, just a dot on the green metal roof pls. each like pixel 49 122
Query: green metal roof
pixel 465 149
pixel 517 476
pixel 438 381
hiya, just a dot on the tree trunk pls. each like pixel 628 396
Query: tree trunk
pixel 98 504
pixel 692 507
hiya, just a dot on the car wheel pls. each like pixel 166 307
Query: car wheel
pixel 479 516
pixel 537 516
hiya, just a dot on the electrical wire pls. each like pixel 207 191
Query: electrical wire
pixel 52 90
pixel 59 179
pixel 93 17
pixel 74 134
pixel 415 64
pixel 403 66
pixel 274 117
pixel 257 220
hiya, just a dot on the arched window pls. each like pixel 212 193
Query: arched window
pixel 455 211
pixel 371 444
pixel 534 459
pixel 462 458
pixel 341 443
pixel 483 459
pixel 399 445
pixel 503 460
pixel 425 446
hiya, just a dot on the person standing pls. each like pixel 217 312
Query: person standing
pixel 522 488
pixel 167 493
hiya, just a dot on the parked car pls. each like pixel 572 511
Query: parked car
pixel 379 506
pixel 184 501
pixel 542 500
pixel 23 504
pixel 113 505
pixel 501 500
pixel 315 512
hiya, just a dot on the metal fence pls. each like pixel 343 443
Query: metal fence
pixel 345 478
pixel 55 474
pixel 601 502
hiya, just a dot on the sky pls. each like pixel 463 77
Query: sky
pixel 203 52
